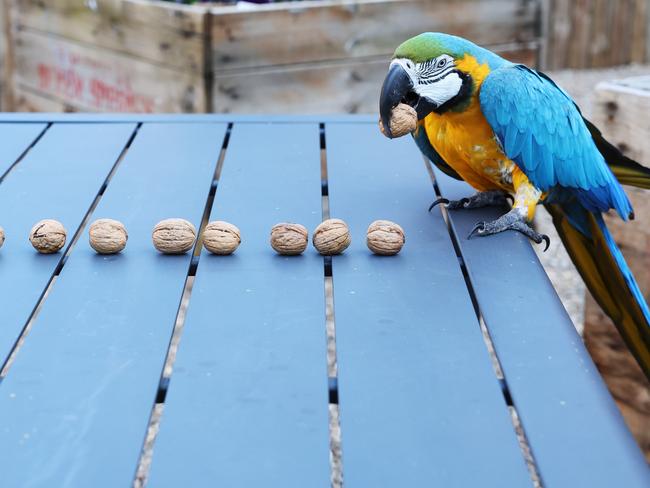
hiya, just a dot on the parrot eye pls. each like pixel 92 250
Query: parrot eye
pixel 410 65
pixel 441 63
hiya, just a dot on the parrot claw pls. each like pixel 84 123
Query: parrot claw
pixel 451 204
pixel 437 202
pixel 513 220
pixel 477 230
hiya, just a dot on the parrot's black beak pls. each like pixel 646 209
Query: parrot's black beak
pixel 397 86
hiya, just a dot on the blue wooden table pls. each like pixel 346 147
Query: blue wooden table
pixel 84 338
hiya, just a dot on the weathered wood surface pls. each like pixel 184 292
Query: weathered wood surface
pixel 277 34
pixel 134 28
pixel 91 79
pixel 596 33
pixel 6 58
pixel 321 56
pixel 621 111
pixel 350 86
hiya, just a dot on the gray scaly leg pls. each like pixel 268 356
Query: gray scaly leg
pixel 478 200
pixel 513 220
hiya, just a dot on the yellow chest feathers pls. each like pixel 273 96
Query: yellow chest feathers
pixel 466 141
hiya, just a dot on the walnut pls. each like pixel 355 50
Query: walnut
pixel 221 237
pixel 48 236
pixel 173 236
pixel 404 119
pixel 289 239
pixel 107 236
pixel 2 236
pixel 385 237
pixel 331 237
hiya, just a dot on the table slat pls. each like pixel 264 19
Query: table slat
pixel 76 402
pixel 59 178
pixel 577 435
pixel 15 139
pixel 247 403
pixel 420 403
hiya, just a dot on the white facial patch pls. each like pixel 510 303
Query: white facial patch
pixel 435 79
pixel 441 90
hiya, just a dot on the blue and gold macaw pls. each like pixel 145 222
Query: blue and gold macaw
pixel 507 129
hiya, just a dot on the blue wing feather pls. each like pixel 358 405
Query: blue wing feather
pixel 542 131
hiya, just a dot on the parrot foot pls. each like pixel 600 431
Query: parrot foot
pixel 513 220
pixel 478 200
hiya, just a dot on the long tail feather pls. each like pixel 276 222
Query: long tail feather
pixel 607 275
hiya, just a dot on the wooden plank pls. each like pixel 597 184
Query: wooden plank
pixel 166 15
pixel 326 30
pixel 580 33
pixel 95 79
pixel 59 178
pixel 29 100
pixel 247 403
pixel 639 32
pixel 6 58
pixel 173 47
pixel 420 403
pixel 620 111
pixel 16 138
pixel 86 377
pixel 329 87
pixel 600 41
pixel 576 433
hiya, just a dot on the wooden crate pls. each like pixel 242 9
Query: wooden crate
pixel 315 56
pixel 331 56
pixel 621 112
pixel 596 33
pixel 118 56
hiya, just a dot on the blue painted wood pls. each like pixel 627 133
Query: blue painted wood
pixel 75 405
pixel 14 140
pixel 247 403
pixel 420 403
pixel 59 178
pixel 577 435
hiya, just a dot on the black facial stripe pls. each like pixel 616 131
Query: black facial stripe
pixel 446 73
pixel 438 73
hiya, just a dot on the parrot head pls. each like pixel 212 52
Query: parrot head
pixel 428 73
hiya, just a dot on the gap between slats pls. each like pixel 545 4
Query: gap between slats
pixel 24 153
pixel 6 366
pixel 487 339
pixel 336 463
pixel 146 453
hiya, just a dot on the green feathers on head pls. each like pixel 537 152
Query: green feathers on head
pixel 432 44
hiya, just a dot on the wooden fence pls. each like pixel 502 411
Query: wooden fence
pixel 596 33
pixel 316 56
